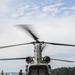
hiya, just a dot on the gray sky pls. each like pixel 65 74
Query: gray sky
pixel 53 20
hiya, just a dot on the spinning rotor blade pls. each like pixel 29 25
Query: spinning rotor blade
pixel 63 60
pixel 29 30
pixel 13 59
pixel 15 45
pixel 44 46
pixel 59 44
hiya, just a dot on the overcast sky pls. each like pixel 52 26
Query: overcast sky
pixel 53 21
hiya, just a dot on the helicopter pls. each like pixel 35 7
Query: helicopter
pixel 37 65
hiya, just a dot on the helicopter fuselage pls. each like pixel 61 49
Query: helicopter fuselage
pixel 38 66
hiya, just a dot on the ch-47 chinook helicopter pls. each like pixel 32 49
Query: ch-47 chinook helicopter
pixel 37 65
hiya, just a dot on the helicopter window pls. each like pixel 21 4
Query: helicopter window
pixel 42 72
pixel 38 70
pixel 34 72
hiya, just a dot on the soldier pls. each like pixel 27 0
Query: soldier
pixel 2 73
pixel 20 73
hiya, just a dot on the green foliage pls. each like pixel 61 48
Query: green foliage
pixel 63 71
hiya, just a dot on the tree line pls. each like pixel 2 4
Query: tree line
pixel 63 71
pixel 56 71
